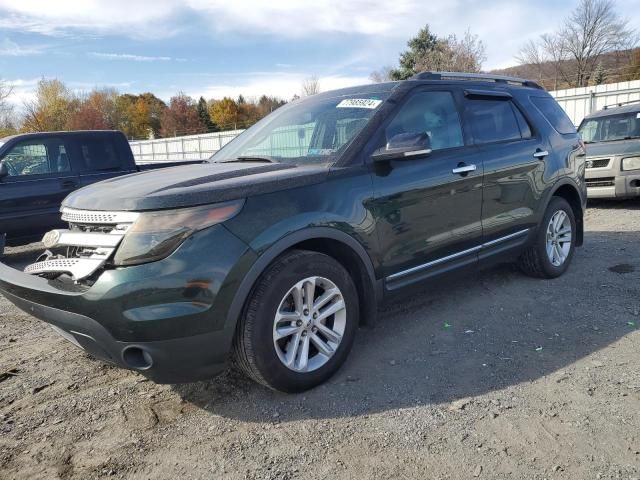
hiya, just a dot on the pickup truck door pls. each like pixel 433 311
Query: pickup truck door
pixel 40 177
pixel 100 156
pixel 427 211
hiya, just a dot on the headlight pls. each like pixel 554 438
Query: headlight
pixel 155 235
pixel 631 163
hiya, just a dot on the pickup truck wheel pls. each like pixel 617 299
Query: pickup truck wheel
pixel 552 251
pixel 299 323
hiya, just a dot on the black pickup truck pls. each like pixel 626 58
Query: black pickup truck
pixel 38 170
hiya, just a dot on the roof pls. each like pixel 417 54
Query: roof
pixel 57 133
pixel 607 111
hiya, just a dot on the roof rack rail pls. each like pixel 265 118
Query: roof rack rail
pixel 483 77
pixel 620 104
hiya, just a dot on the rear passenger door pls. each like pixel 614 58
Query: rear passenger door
pixel 40 176
pixel 101 156
pixel 513 154
pixel 427 215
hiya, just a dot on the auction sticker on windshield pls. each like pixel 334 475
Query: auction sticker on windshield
pixel 359 103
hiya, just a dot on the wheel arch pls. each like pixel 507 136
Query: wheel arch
pixel 335 243
pixel 569 191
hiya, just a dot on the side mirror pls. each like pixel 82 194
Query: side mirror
pixel 4 171
pixel 404 146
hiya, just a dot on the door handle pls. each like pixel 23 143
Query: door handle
pixel 463 169
pixel 540 153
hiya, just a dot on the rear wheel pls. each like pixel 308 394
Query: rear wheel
pixel 552 251
pixel 299 323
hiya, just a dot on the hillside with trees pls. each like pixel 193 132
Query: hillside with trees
pixel 592 46
pixel 57 107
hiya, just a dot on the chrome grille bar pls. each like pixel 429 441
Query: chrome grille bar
pixel 91 216
pixel 95 236
pixel 68 238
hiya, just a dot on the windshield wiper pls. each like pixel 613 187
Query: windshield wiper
pixel 251 158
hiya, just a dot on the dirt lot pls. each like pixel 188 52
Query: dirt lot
pixel 495 376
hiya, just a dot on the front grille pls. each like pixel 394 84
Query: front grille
pixel 85 247
pixel 601 182
pixel 598 163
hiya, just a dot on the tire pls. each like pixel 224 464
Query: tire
pixel 277 307
pixel 536 261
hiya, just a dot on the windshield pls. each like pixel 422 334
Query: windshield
pixel 314 130
pixel 611 127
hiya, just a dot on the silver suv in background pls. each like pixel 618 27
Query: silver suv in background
pixel 613 151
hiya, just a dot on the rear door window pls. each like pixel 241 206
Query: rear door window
pixel 554 114
pixel 99 154
pixel 495 120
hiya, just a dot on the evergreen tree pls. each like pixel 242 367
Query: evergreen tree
pixel 203 114
pixel 419 46
pixel 599 75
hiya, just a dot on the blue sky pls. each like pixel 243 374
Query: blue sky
pixel 227 47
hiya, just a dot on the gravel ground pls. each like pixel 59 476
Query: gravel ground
pixel 494 376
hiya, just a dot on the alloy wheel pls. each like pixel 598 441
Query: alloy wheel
pixel 309 324
pixel 559 238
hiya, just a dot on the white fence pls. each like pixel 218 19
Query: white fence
pixel 191 147
pixel 577 102
pixel 580 102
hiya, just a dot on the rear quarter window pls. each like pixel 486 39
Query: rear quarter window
pixel 493 120
pixel 99 153
pixel 554 114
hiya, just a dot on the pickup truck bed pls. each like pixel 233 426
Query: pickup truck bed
pixel 38 170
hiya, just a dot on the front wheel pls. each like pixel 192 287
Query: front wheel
pixel 552 251
pixel 299 323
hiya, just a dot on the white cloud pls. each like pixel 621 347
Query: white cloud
pixel 9 48
pixel 282 85
pixel 140 18
pixel 128 56
pixel 504 25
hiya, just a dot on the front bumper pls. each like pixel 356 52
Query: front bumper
pixel 611 181
pixel 166 319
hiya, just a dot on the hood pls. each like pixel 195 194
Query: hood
pixel 621 147
pixel 190 185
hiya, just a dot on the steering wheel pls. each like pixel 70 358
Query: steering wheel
pixel 13 171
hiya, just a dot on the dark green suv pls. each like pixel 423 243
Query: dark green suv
pixel 279 248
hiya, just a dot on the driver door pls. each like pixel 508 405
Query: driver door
pixel 428 216
pixel 39 178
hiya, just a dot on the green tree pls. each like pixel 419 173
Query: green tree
pixel 52 108
pixel 419 46
pixel 139 116
pixel 203 115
